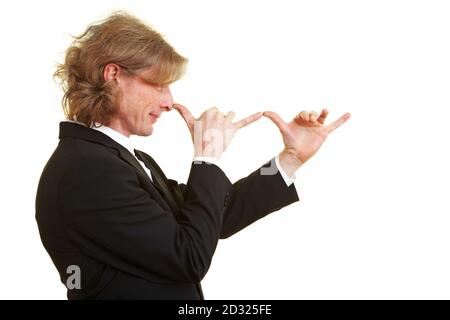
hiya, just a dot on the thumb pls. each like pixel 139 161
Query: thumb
pixel 185 114
pixel 279 122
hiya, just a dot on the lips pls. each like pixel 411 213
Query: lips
pixel 154 116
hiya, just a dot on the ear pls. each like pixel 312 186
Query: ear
pixel 111 72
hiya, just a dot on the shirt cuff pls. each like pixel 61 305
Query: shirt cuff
pixel 210 160
pixel 286 178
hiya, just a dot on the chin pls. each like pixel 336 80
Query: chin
pixel 148 132
pixel 144 132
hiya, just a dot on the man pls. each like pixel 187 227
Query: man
pixel 113 224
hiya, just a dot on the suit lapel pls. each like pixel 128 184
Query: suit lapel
pixel 73 130
pixel 160 181
pixel 144 178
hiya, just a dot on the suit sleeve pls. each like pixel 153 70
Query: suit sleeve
pixel 252 198
pixel 111 218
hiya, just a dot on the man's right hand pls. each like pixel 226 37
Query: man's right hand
pixel 212 132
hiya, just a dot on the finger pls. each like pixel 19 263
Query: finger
pixel 279 122
pixel 246 121
pixel 219 117
pixel 230 116
pixel 210 110
pixel 339 122
pixel 209 113
pixel 303 116
pixel 313 116
pixel 185 114
pixel 323 116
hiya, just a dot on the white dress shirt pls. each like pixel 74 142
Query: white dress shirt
pixel 126 143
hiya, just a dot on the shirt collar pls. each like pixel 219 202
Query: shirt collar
pixel 121 139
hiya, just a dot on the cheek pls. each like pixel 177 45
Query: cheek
pixel 140 100
pixel 138 105
pixel 127 100
pixel 149 103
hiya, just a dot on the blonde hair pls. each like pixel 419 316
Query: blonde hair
pixel 121 39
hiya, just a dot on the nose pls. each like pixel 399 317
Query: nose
pixel 167 100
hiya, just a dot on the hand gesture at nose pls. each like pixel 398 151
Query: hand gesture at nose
pixel 212 132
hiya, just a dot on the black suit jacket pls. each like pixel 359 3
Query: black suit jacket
pixel 97 209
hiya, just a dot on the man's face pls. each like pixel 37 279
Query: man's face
pixel 140 104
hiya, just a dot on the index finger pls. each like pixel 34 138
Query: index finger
pixel 339 122
pixel 246 121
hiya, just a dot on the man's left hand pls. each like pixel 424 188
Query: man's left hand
pixel 303 136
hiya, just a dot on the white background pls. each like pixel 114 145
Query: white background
pixel 373 221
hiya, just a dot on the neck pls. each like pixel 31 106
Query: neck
pixel 117 125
